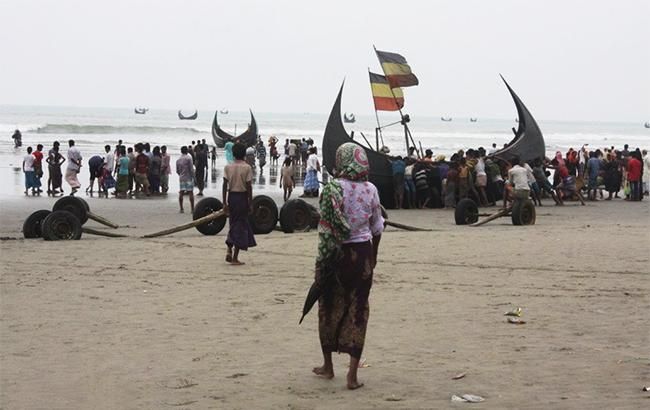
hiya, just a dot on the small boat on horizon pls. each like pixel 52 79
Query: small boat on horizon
pixel 140 110
pixel 189 117
pixel 349 118
pixel 472 120
pixel 223 111
pixel 647 125
pixel 445 119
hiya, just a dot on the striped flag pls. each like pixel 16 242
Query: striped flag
pixel 396 69
pixel 384 98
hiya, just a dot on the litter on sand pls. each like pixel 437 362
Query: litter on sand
pixel 458 376
pixel 467 398
pixel 515 312
pixel 516 321
pixel 646 388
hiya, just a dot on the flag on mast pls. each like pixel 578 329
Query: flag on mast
pixel 384 98
pixel 397 71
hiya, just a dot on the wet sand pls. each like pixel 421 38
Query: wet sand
pixel 165 323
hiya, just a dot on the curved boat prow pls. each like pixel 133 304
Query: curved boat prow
pixel 528 142
pixel 381 174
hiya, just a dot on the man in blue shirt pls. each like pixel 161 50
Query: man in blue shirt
pixel 593 168
pixel 399 166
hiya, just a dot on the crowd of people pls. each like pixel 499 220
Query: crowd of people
pixel 136 170
pixel 434 182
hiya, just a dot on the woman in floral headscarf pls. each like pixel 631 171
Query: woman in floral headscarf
pixel 349 232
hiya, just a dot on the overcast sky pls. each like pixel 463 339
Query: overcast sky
pixel 567 59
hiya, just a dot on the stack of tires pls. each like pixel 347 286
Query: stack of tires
pixel 62 223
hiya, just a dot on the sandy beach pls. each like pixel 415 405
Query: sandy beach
pixel 165 323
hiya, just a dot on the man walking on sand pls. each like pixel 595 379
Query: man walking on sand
pixel 185 171
pixel 74 166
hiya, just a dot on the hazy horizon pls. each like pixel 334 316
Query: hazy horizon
pixel 567 60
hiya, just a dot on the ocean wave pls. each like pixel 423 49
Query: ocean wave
pixel 110 129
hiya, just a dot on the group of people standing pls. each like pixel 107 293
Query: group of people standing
pixel 436 183
pixel 132 170
pixel 32 167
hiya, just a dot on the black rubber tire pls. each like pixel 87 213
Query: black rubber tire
pixel 83 201
pixel 61 226
pixel 76 206
pixel 32 225
pixel 466 212
pixel 265 215
pixel 523 212
pixel 315 217
pixel 295 215
pixel 205 207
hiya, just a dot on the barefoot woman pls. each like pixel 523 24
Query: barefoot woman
pixel 237 199
pixel 349 232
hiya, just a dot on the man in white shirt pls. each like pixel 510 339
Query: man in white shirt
pixel 109 159
pixel 518 180
pixel 293 153
pixel 74 166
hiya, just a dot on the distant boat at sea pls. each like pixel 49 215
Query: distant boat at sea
pixel 223 111
pixel 647 125
pixel 349 118
pixel 189 117
pixel 445 119
pixel 472 120
pixel 140 110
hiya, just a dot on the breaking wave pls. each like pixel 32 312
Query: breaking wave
pixel 109 129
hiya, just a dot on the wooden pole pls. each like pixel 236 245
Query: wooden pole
pixel 492 217
pixel 102 220
pixel 92 231
pixel 405 227
pixel 193 224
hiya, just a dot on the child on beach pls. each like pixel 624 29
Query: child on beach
pixel 237 199
pixel 286 174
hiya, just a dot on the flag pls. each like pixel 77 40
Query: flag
pixel 397 71
pixel 385 99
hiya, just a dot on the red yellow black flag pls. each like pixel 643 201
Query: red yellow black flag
pixel 397 71
pixel 385 99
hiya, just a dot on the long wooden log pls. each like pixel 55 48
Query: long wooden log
pixel 92 231
pixel 193 224
pixel 405 227
pixel 102 220
pixel 492 217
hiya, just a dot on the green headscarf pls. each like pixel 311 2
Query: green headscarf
pixel 352 162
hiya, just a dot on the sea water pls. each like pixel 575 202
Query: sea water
pixel 92 128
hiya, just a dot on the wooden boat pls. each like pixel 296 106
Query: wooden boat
pixel 140 110
pixel 381 172
pixel 445 119
pixel 189 117
pixel 528 142
pixel 349 118
pixel 647 125
pixel 472 120
pixel 248 138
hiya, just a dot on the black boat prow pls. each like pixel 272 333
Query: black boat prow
pixel 248 138
pixel 528 142
pixel 189 117
pixel 381 174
